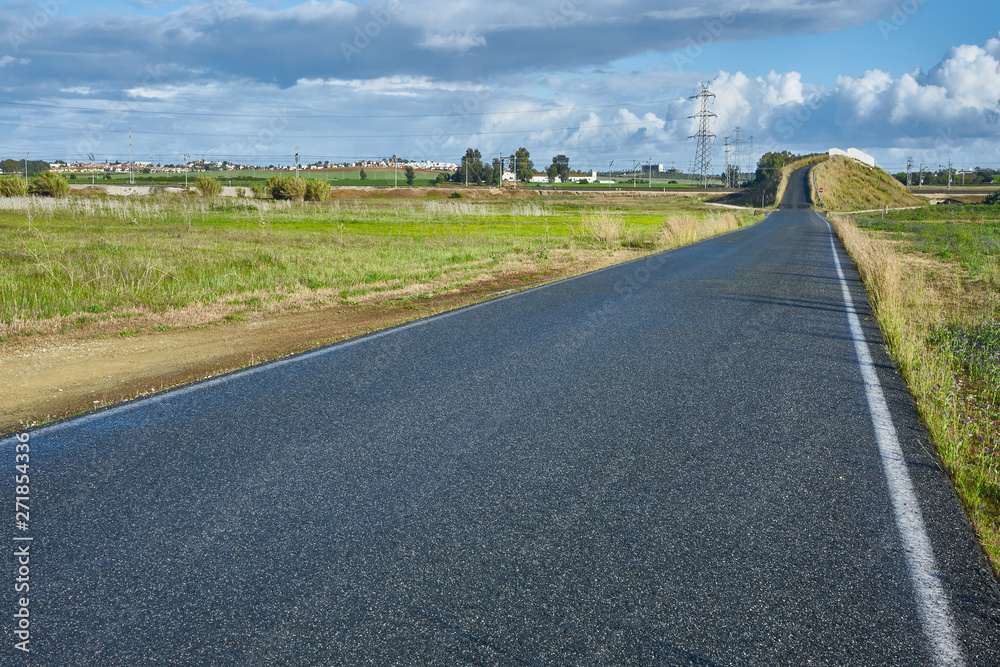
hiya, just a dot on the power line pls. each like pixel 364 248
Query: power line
pixel 349 136
pixel 272 114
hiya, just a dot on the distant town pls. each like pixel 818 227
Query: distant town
pixel 205 165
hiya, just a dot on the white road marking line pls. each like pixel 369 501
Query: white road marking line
pixel 932 601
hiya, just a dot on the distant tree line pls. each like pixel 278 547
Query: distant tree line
pixel 977 176
pixel 17 166
pixel 474 171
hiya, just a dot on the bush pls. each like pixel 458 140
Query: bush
pixel 363 175
pixel 992 199
pixel 286 188
pixel 208 186
pixel 258 191
pixel 455 195
pixel 316 190
pixel 13 186
pixel 49 184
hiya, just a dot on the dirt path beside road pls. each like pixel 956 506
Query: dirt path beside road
pixel 52 376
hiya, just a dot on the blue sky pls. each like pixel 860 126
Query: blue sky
pixel 424 79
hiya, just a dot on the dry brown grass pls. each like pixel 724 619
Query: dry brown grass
pixel 911 298
pixel 604 225
pixel 849 185
pixel 685 229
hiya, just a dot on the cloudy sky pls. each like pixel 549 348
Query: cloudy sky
pixel 598 80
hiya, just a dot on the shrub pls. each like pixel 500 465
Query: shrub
pixel 363 175
pixel 316 190
pixel 258 191
pixel 49 184
pixel 455 195
pixel 992 199
pixel 13 186
pixel 286 188
pixel 208 186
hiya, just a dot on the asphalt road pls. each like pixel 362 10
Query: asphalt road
pixel 671 461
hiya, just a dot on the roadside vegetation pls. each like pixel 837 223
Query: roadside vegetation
pixel 849 185
pixel 65 263
pixel 934 279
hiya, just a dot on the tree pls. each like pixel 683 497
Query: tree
pixel 552 171
pixel 49 184
pixel 770 163
pixel 208 186
pixel 363 175
pixel 471 168
pixel 497 173
pixel 410 174
pixel 523 164
pixel 561 164
pixel 17 166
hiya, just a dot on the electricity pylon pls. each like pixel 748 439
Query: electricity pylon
pixel 704 137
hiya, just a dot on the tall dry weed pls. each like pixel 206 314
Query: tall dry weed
pixel 685 229
pixel 604 225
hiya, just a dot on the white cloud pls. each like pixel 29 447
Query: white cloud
pixel 451 42
pixel 7 61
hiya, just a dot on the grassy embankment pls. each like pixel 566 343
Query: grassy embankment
pixel 934 279
pixel 67 263
pixel 849 185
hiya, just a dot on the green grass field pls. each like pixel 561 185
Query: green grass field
pixel 91 257
pixel 245 178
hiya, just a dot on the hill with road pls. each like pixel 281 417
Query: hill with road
pixel 849 185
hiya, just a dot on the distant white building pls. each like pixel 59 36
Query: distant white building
pixel 854 154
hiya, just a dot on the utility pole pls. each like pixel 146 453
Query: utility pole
pixel 635 165
pixel 729 180
pixel 949 175
pixel 704 136
pixel 187 158
pixel 920 179
pixel 610 162
pixel 93 178
pixel 909 173
pixel 131 178
pixel 296 162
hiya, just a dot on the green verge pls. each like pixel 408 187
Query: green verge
pixel 934 279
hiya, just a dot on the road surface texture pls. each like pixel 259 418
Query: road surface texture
pixel 672 461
